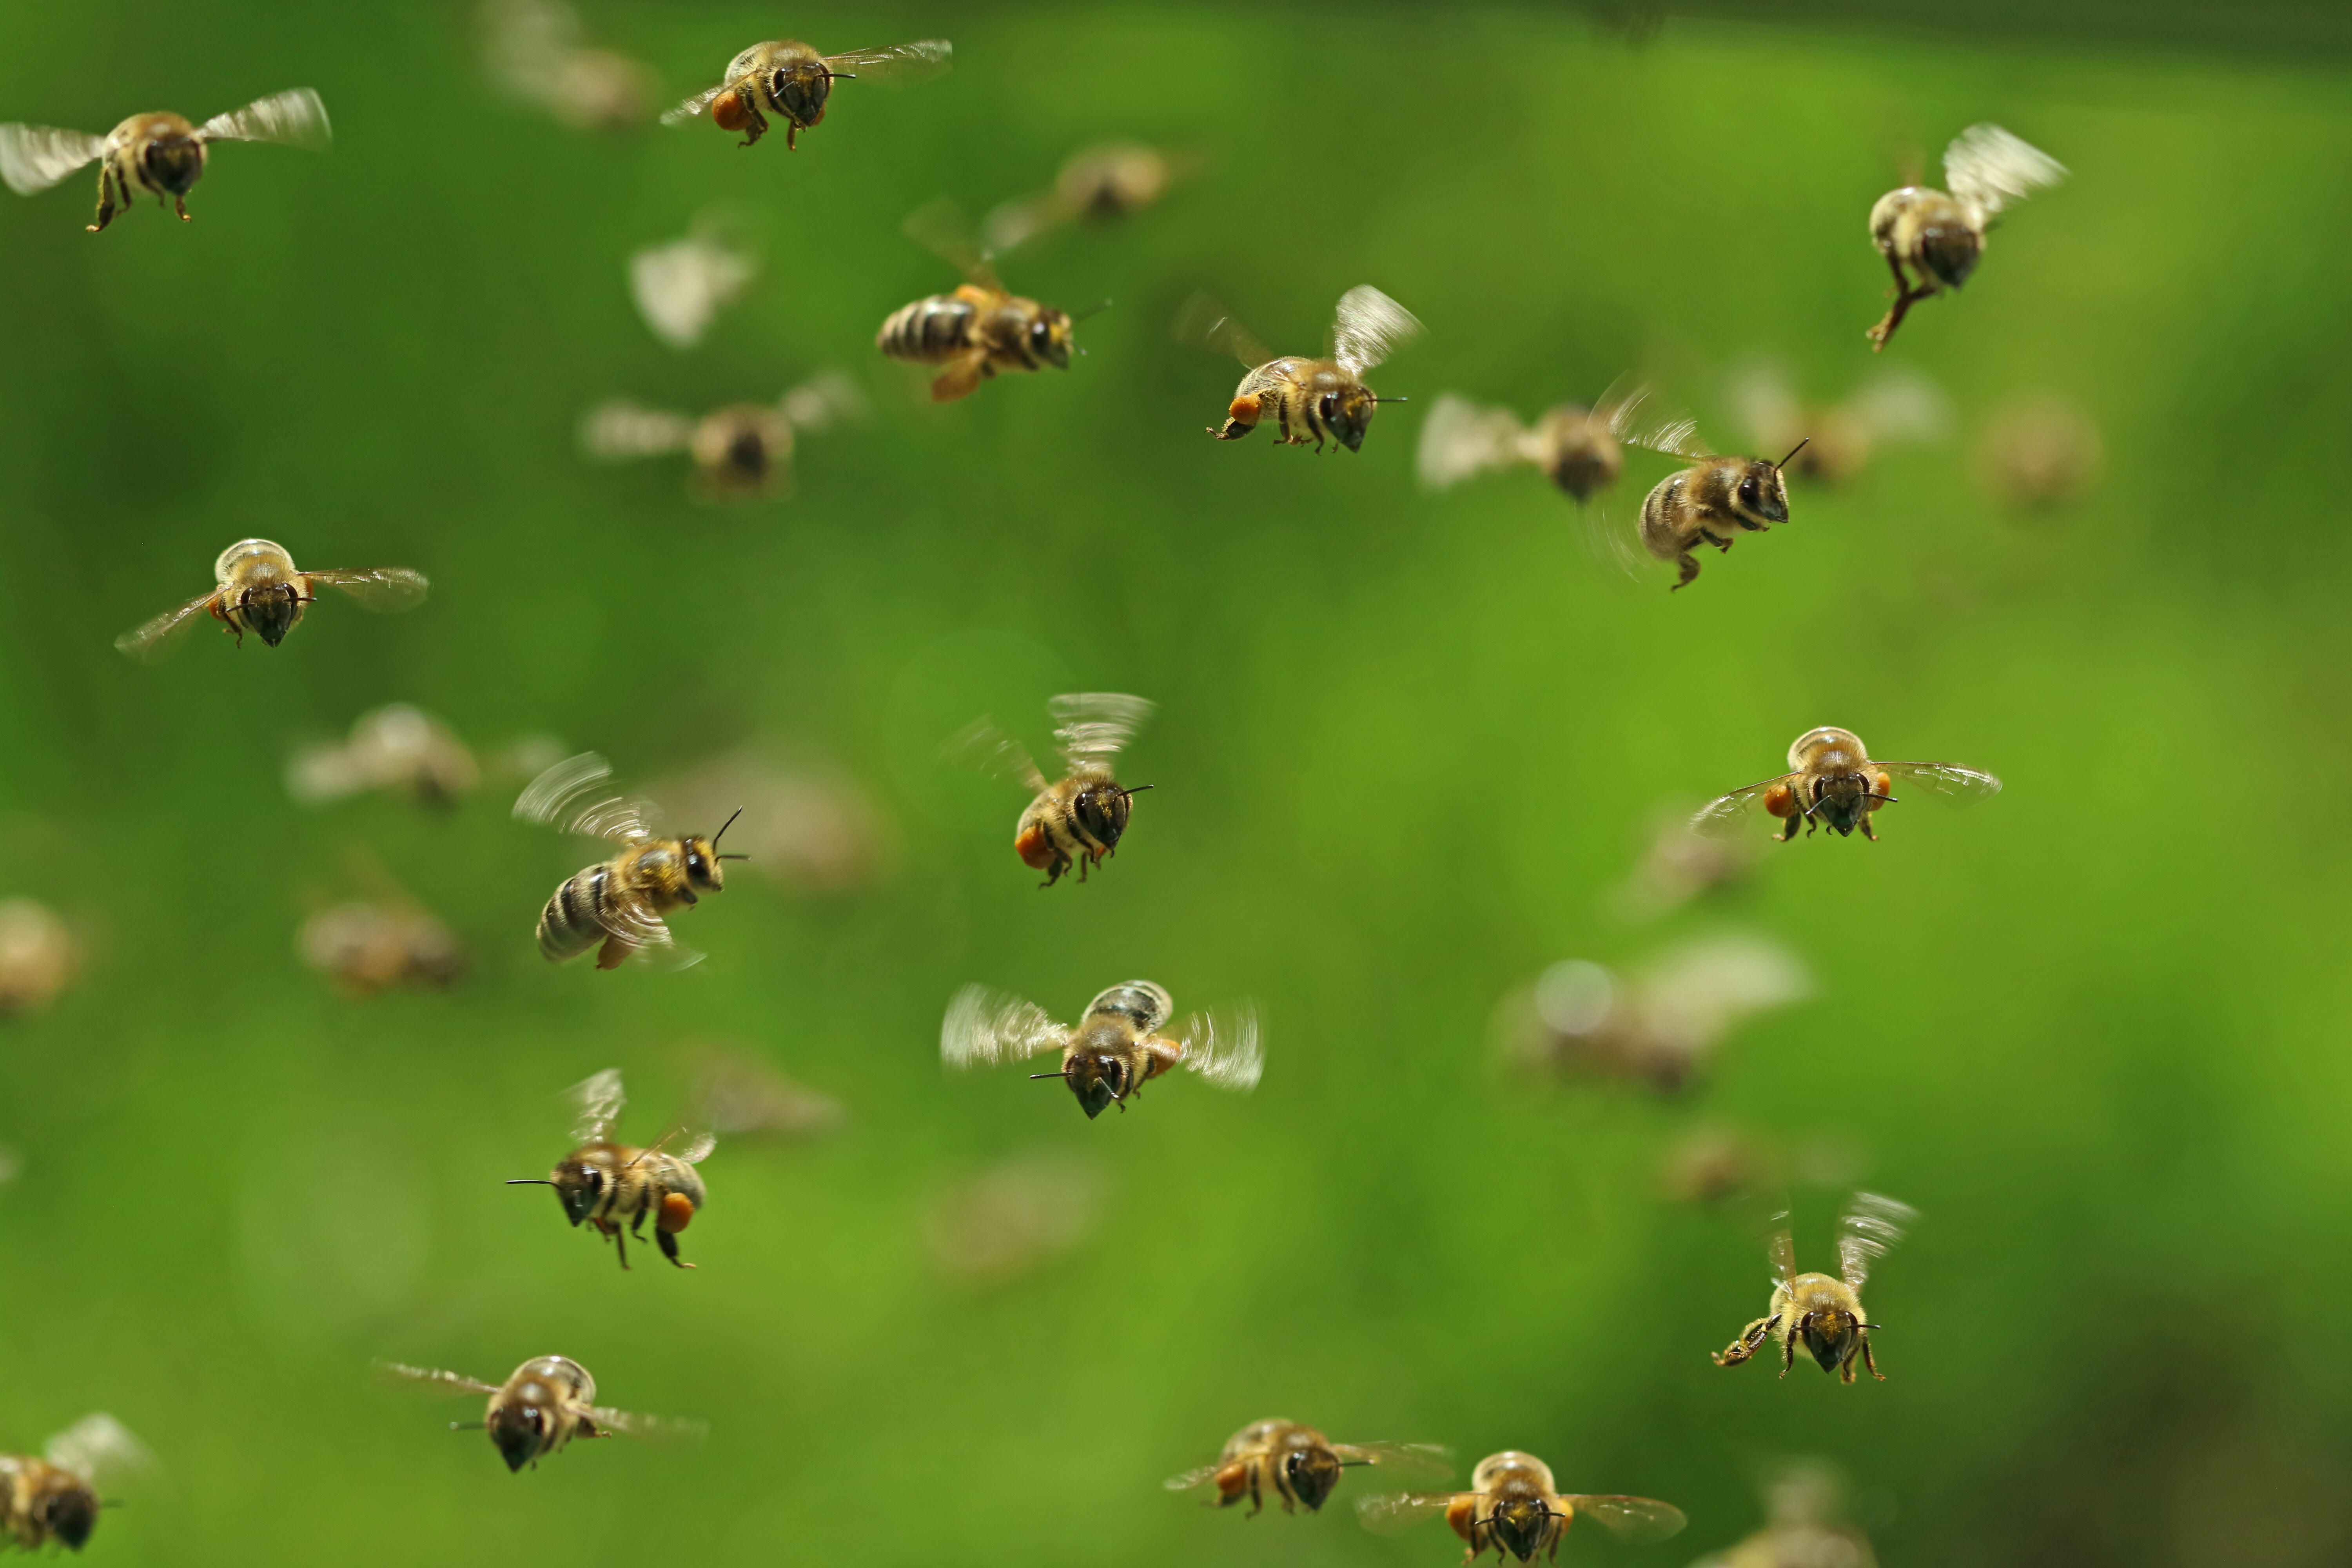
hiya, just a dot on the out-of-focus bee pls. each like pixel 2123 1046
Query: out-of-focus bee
pixel 1832 776
pixel 1308 399
pixel 1297 1464
pixel 1713 1165
pixel 981 328
pixel 740 452
pixel 1013 1217
pixel 366 948
pixel 1679 867
pixel 612 1185
pixel 2039 451
pixel 807 825
pixel 161 154
pixel 737 1095
pixel 54 1500
pixel 1660 1026
pixel 1079 819
pixel 1117 1047
pixel 39 956
pixel 680 286
pixel 261 592
pixel 1513 1505
pixel 1713 502
pixel 1576 447
pixel 1835 443
pixel 548 1400
pixel 1114 180
pixel 624 902
pixel 395 748
pixel 1824 1314
pixel 1804 1503
pixel 792 81
pixel 539 51
pixel 1939 236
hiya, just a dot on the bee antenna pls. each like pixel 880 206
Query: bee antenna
pixel 723 827
pixel 1391 400
pixel 1792 452
pixel 734 856
pixel 841 76
pixel 1064 1073
pixel 530 1182
pixel 1138 790
pixel 1090 310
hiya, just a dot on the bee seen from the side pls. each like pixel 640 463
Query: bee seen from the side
pixel 548 1400
pixel 740 452
pixel 52 1499
pixel 1514 1507
pixel 1574 447
pixel 613 1187
pixel 1938 236
pixel 161 154
pixel 260 591
pixel 791 81
pixel 1833 779
pixel 1713 501
pixel 1823 1314
pixel 1116 1047
pixel 1097 184
pixel 980 331
pixel 1078 819
pixel 1296 1466
pixel 1306 398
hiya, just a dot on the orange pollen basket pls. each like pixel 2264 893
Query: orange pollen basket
pixel 729 112
pixel 1033 847
pixel 677 1212
pixel 1780 800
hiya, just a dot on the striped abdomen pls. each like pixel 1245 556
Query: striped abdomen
pixel 574 920
pixel 931 330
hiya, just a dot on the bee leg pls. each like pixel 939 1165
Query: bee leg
pixel 180 203
pixel 1867 831
pixel 1789 1344
pixel 615 953
pixel 756 126
pixel 1867 1359
pixel 668 1244
pixel 620 1240
pixel 1689 565
pixel 1790 832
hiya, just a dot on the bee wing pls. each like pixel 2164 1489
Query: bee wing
pixel 1016 223
pixel 1369 327
pixel 597 1104
pixel 1223 1047
pixel 1095 726
pixel 569 797
pixel 294 118
pixel 1725 815
pixel 1387 1513
pixel 148 642
pixel 35 157
pixel 694 106
pixel 918 61
pixel 1634 1519
pixel 382 588
pixel 97 1447
pixel 431 1379
pixel 1989 169
pixel 982 745
pixel 738 1096
pixel 691 1137
pixel 1962 786
pixel 941 227
pixel 1780 1249
pixel 1431 1459
pixel 985 1029
pixel 1872 1223
pixel 1461 439
pixel 647 1428
pixel 1639 419
pixel 621 429
pixel 825 399
pixel 680 286
pixel 1197 1477
pixel 647 935
pixel 1203 323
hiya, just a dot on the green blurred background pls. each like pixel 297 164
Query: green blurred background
pixel 1408 748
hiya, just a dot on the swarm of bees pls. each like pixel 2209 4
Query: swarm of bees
pixel 161 154
pixel 1818 1311
pixel 740 452
pixel 53 1499
pixel 1830 777
pixel 1116 1047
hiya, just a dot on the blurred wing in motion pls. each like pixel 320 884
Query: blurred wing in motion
pixel 1205 323
pixel 1095 726
pixel 941 228
pixel 570 799
pixel 1900 405
pixel 1461 439
pixel 1727 814
pixel 982 745
pixel 294 118
pixel 826 398
pixel 597 1104
pixel 680 286
pixel 1633 1519
pixel 1767 408
pixel 1391 1512
pixel 99 1448
pixel 1640 420
pixel 619 429
pixel 986 1028
pixel 148 642
pixel 1872 1223
pixel 1611 538
pixel 430 1379
pixel 646 937
pixel 1223 1047
pixel 382 589
pixel 1989 169
pixel 1369 327
pixel 693 106
pixel 918 61
pixel 1429 1459
pixel 1781 1249
pixel 1199 1477
pixel 35 157
pixel 690 1137
pixel 647 1428
pixel 1016 223
pixel 738 1096
pixel 1963 786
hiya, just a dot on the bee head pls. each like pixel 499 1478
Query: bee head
pixel 1949 250
pixel 578 1185
pixel 1347 412
pixel 1829 1337
pixel 173 162
pixel 1051 336
pixel 518 1429
pixel 1312 1473
pixel 71 1515
pixel 1102 810
pixel 1762 493
pixel 1098 1079
pixel 800 90
pixel 703 869
pixel 271 610
pixel 1520 1524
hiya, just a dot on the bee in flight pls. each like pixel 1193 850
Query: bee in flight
pixel 1889 409
pixel 624 902
pixel 161 154
pixel 612 1185
pixel 1832 777
pixel 1576 447
pixel 790 80
pixel 740 452
pixel 1940 237
pixel 679 287
pixel 549 1401
pixel 1825 1314
pixel 1297 1464
pixel 1807 1529
pixel 395 748
pixel 1097 184
pixel 54 1499
pixel 539 51
pixel 1514 1506
pixel 39 956
pixel 1307 399
pixel 1116 1047
pixel 261 592
pixel 366 948
pixel 980 329
pixel 1079 819
pixel 1712 501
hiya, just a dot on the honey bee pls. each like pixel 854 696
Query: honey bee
pixel 54 1499
pixel 1114 180
pixel 1576 447
pixel 1938 236
pixel 539 51
pixel 2039 451
pixel 624 902
pixel 39 956
pixel 260 592
pixel 807 825
pixel 1831 776
pixel 1803 1504
pixel 1657 1026
pixel 1079 819
pixel 791 79
pixel 980 329
pixel 547 1401
pixel 367 948
pixel 740 452
pixel 680 286
pixel 161 154
pixel 1307 399
pixel 1679 867
pixel 610 1184
pixel 1514 1506
pixel 395 748
pixel 1887 410
pixel 1114 1050
pixel 1297 1464
pixel 1825 1314
pixel 1712 501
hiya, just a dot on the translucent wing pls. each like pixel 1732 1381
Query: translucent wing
pixel 1205 323
pixel 1461 439
pixel 1200 1476
pixel 1223 1046
pixel 1962 786
pixel 737 1096
pixel 294 118
pixel 1781 1249
pixel 982 745
pixel 431 1379
pixel 97 1447
pixel 569 797
pixel 597 1104
pixel 825 399
pixel 1095 726
pixel 149 641
pixel 645 936
pixel 1640 420
pixel 1989 169
pixel 621 429
pixel 690 1137
pixel 986 1028
pixel 1369 327
pixel 1016 223
pixel 681 286
pixel 382 588
pixel 1406 1458
pixel 1634 1519
pixel 918 61
pixel 647 1428
pixel 1389 1512
pixel 941 228
pixel 1725 815
pixel 35 157
pixel 693 106
pixel 1872 1223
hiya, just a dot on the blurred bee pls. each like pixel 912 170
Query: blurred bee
pixel 1657 1027
pixel 54 1500
pixel 1832 777
pixel 740 452
pixel 612 1185
pixel 1803 1503
pixel 1679 867
pixel 2039 450
pixel 1013 1217
pixel 1116 1048
pixel 1079 819
pixel 624 902
pixel 1514 1506
pixel 680 286
pixel 367 948
pixel 1297 1464
pixel 807 825
pixel 1887 410
pixel 39 956
pixel 737 1095
pixel 1576 447
pixel 1821 1313
pixel 790 80
pixel 548 1400
pixel 161 154
pixel 396 748
pixel 1712 501
pixel 261 592
pixel 539 51
pixel 980 329
pixel 1712 1164
pixel 1307 399
pixel 1114 180
pixel 1940 237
